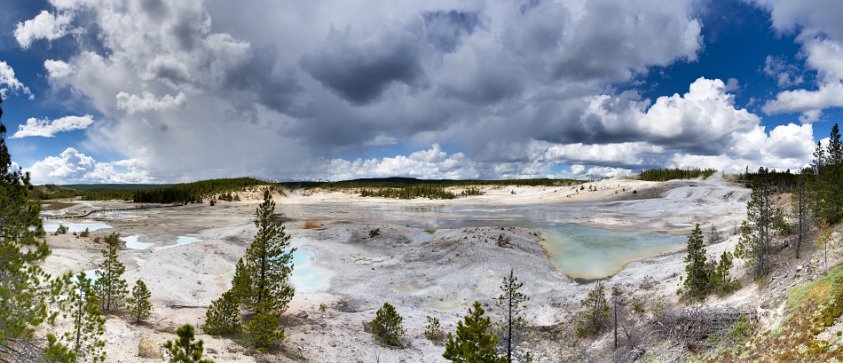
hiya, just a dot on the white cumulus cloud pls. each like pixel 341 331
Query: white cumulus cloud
pixel 48 128
pixel 74 167
pixel 45 25
pixel 148 102
pixel 57 68
pixel 8 79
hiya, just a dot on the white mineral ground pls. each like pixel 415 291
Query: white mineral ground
pixel 421 274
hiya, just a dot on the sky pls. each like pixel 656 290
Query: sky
pixel 163 91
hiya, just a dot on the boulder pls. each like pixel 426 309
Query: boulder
pixel 148 349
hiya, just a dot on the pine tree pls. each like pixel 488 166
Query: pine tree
pixel 82 308
pixel 720 280
pixel 223 317
pixel 138 304
pixel 831 172
pixel 801 208
pixel 595 318
pixel 264 329
pixel 512 302
pixel 474 342
pixel 184 349
pixel 269 259
pixel 242 283
pixel 387 328
pixel 697 277
pixel 23 292
pixel 110 285
pixel 756 231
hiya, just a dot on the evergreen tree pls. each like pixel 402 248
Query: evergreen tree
pixel 474 342
pixel 184 349
pixel 433 330
pixel 801 208
pixel 242 283
pixel 697 277
pixel 387 328
pixel 223 317
pixel 264 329
pixel 830 175
pixel 756 231
pixel 56 352
pixel 110 285
pixel 269 259
pixel 512 301
pixel 720 281
pixel 595 318
pixel 82 308
pixel 23 292
pixel 138 304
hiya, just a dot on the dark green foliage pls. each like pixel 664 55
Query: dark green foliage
pixel 801 207
pixel 511 304
pixel 409 192
pixel 703 276
pixel 110 285
pixel 471 191
pixel 269 259
pixel 194 192
pixel 138 304
pixel 828 165
pixel 433 330
pixel 223 316
pixel 780 224
pixel 670 174
pixel 56 352
pixel 778 181
pixel 62 229
pixel 264 329
pixel 241 284
pixel 81 307
pixel 755 243
pixel 720 281
pixel 696 283
pixel 474 342
pixel 23 284
pixel 595 318
pixel 184 349
pixel 387 328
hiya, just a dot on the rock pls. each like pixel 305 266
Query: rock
pixel 799 268
pixel 148 349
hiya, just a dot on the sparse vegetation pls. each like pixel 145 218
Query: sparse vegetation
pixel 184 349
pixel 387 327
pixel 138 304
pixel 110 285
pixel 594 319
pixel 433 330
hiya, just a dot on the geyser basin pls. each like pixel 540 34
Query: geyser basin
pixel 77 227
pixel 589 253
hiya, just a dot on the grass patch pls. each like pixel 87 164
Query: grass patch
pixel 812 308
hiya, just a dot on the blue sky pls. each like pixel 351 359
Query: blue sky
pixel 169 91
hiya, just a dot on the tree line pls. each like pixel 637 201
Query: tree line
pixel 670 174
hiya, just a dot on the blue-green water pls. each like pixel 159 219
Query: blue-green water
pixel 592 253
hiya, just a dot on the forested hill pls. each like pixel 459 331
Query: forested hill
pixel 150 193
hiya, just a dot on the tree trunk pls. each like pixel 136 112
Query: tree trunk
pixel 509 336
pixel 616 324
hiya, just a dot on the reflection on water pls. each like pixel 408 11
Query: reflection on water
pixel 133 243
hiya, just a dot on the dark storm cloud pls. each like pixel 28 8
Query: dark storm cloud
pixel 444 28
pixel 359 70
